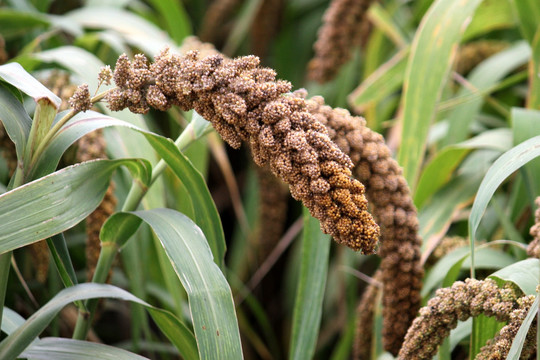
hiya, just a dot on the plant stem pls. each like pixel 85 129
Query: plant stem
pixel 84 319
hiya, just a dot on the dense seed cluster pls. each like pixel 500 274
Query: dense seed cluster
pixel 39 251
pixel 394 210
pixel 80 101
pixel 245 103
pixel 193 43
pixel 365 312
pixel 533 250
pixel 344 26
pixel 273 196
pixel 499 347
pixel 450 305
pixel 91 147
pixel 472 54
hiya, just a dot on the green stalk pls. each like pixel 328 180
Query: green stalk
pixel 109 250
pixel 84 319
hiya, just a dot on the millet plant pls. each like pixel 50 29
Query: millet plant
pixel 168 196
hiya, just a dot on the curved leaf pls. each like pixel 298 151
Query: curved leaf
pixel 519 340
pixel 69 349
pixel 525 274
pixel 23 336
pixel 503 167
pixel 15 119
pixel 483 77
pixel 14 74
pixel 310 292
pixel 439 170
pixel 59 201
pixel 210 299
pixel 432 52
pixel 206 214
pixel 135 30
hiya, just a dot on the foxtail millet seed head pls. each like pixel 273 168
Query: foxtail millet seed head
pixel 81 101
pixel 393 207
pixel 345 26
pixel 450 305
pixel 365 312
pixel 499 347
pixel 245 103
pixel 273 199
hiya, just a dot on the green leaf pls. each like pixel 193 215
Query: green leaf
pixel 484 328
pixel 15 119
pixel 482 78
pixel 384 81
pixel 15 75
pixel 69 349
pixel 134 29
pixel 59 201
pixel 176 19
pixel 519 340
pixel 310 291
pixel 525 125
pixel 490 15
pixel 528 12
pixel 440 169
pixel 79 61
pixel 11 320
pixel 447 269
pixel 17 23
pixel 525 274
pixel 533 97
pixel 432 52
pixel 206 214
pixel 436 217
pixel 210 298
pixel 80 125
pixel 18 340
pixel 503 167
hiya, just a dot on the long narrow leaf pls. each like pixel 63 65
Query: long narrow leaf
pixel 529 16
pixel 525 274
pixel 69 349
pixel 59 201
pixel 19 339
pixel 310 292
pixel 210 298
pixel 503 167
pixel 206 214
pixel 431 56
pixel 15 119
pixel 15 75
